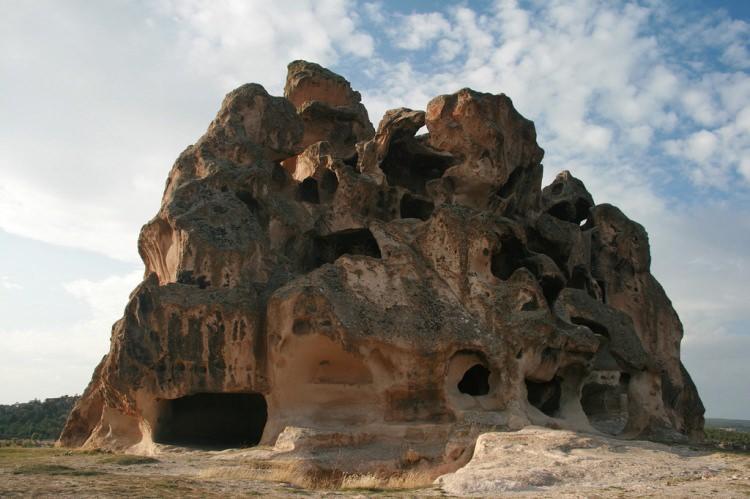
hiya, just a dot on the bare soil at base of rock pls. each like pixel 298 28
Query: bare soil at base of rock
pixel 50 472
pixel 532 462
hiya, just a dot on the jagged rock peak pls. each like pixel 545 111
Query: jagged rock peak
pixel 310 282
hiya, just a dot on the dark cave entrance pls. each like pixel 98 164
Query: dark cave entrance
pixel 476 381
pixel 410 164
pixel 326 249
pixel 416 207
pixel 545 396
pixel 219 420
pixel 307 191
pixel 605 402
pixel 508 257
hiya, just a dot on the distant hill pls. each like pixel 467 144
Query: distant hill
pixel 40 420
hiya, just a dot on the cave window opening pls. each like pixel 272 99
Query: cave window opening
pixel 253 206
pixel 215 420
pixel 561 211
pixel 596 328
pixel 415 207
pixel 605 402
pixel 582 211
pixel 545 396
pixel 508 257
pixel 308 191
pixel 326 249
pixel 351 160
pixel 328 184
pixel 187 277
pixel 551 288
pixel 579 279
pixel 505 190
pixel 411 165
pixel 475 381
pixel 279 176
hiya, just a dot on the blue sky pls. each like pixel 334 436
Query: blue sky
pixel 648 102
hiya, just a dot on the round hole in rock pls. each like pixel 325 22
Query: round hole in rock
pixel 476 381
pixel 220 420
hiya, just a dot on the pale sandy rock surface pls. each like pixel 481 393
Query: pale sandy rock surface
pixel 555 463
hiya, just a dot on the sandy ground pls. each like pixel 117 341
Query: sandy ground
pixel 528 463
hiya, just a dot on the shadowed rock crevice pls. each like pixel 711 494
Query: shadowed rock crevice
pixel 508 257
pixel 545 396
pixel 410 164
pixel 307 191
pixel 415 207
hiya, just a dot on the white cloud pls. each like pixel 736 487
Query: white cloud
pixel 415 31
pixel 8 283
pixel 40 363
pixel 701 145
pixel 236 40
pixel 714 155
pixel 47 216
pixel 374 12
pixel 106 297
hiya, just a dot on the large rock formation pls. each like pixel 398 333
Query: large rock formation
pixel 310 277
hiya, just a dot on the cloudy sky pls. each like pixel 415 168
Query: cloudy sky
pixel 647 102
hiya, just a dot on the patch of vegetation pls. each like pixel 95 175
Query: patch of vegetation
pixel 51 469
pixel 35 420
pixel 728 439
pixel 18 454
pixel 124 460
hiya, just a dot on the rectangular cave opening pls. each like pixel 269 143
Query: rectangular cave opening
pixel 215 420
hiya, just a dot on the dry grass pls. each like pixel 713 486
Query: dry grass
pixel 304 475
pixel 396 481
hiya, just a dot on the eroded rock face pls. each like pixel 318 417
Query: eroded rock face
pixel 304 271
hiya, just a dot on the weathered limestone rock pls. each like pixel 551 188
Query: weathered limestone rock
pixel 538 462
pixel 308 277
pixel 328 106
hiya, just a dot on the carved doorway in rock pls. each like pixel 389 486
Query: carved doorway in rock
pixel 220 420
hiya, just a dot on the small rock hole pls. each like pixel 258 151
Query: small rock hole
pixel 476 381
